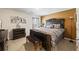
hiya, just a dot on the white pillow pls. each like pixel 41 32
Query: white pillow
pixel 50 26
pixel 57 26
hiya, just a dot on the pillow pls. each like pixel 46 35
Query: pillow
pixel 50 26
pixel 57 26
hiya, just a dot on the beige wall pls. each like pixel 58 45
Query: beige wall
pixel 77 24
pixel 5 15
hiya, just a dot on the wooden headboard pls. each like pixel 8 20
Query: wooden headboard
pixel 55 21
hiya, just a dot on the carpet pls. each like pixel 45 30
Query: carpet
pixel 63 45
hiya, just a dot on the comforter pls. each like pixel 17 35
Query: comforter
pixel 54 33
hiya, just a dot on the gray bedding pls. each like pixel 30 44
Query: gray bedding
pixel 55 34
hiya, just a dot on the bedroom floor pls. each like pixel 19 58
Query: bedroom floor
pixel 16 45
pixel 21 45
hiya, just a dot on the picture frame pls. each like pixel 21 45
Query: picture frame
pixel 15 19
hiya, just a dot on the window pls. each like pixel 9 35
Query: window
pixel 36 22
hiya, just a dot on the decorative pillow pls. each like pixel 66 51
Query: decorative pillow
pixel 50 26
pixel 57 26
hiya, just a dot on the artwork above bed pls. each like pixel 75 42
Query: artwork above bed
pixel 55 23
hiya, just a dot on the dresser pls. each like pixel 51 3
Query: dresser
pixel 3 40
pixel 18 33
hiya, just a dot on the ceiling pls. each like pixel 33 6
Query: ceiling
pixel 41 11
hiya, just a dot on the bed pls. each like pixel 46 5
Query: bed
pixel 51 34
pixel 54 33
